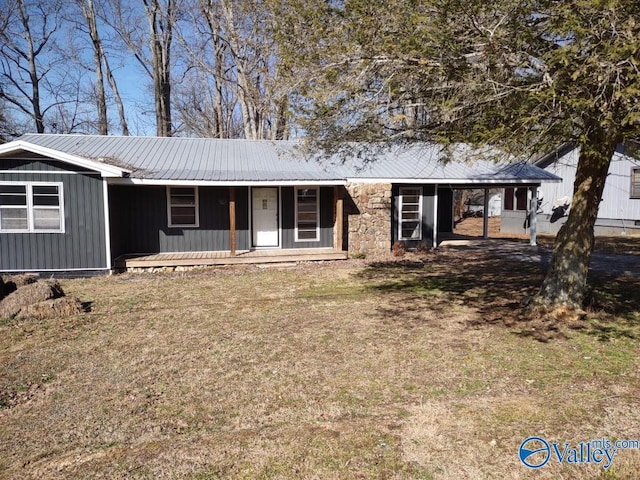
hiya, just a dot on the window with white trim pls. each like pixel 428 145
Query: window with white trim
pixel 307 214
pixel 635 183
pixel 31 207
pixel 410 213
pixel 182 207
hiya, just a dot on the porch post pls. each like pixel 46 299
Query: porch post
pixel 533 212
pixel 107 222
pixel 338 235
pixel 232 221
pixel 485 216
pixel 435 217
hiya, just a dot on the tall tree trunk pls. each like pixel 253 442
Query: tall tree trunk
pixel 247 107
pixel 220 124
pixel 101 99
pixel 116 95
pixel 280 129
pixel 566 279
pixel 33 69
pixel 161 37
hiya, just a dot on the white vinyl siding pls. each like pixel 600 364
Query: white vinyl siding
pixel 307 214
pixel 410 213
pixel 31 207
pixel 182 207
pixel 635 183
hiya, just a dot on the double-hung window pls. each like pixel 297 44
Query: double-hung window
pixel 410 213
pixel 31 207
pixel 307 214
pixel 635 183
pixel 182 207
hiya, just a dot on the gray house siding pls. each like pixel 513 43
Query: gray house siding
pixel 288 219
pixel 428 199
pixel 445 210
pixel 139 222
pixel 82 245
pixel 27 161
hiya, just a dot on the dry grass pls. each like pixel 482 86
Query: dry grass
pixel 411 369
pixel 50 309
pixel 27 295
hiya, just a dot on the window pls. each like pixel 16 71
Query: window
pixel 31 207
pixel 410 213
pixel 307 215
pixel 516 198
pixel 508 198
pixel 635 183
pixel 521 198
pixel 182 206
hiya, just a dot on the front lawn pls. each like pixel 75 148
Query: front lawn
pixel 421 368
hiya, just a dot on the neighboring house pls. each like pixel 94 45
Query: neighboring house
pixel 619 211
pixel 472 203
pixel 75 202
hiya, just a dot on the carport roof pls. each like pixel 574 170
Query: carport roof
pixel 163 160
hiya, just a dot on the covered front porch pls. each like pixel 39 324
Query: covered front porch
pixel 203 259
pixel 531 206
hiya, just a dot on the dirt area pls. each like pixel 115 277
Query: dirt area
pixel 618 245
pixel 420 367
pixel 472 227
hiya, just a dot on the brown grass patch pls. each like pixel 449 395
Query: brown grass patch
pixel 409 369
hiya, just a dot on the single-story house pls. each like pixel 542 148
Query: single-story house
pixel 619 211
pixel 94 203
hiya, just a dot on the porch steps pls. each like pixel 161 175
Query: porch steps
pixel 194 259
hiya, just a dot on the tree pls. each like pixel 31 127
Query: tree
pixel 232 87
pixel 152 49
pixel 27 32
pixel 102 67
pixel 522 76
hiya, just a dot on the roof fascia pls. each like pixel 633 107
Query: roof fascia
pixel 457 181
pixel 549 158
pixel 234 183
pixel 105 169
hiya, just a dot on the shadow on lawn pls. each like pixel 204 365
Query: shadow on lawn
pixel 498 289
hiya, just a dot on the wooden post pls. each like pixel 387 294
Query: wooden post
pixel 232 220
pixel 485 217
pixel 338 240
pixel 434 239
pixel 533 214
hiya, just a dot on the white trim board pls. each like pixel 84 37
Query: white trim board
pixel 225 183
pixel 105 169
pixel 451 181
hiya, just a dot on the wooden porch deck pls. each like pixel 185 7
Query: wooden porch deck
pixel 192 259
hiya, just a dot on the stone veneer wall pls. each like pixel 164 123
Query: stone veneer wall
pixel 369 228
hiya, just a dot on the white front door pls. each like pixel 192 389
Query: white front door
pixel 265 217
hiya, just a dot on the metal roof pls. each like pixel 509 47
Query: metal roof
pixel 177 159
pixel 459 164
